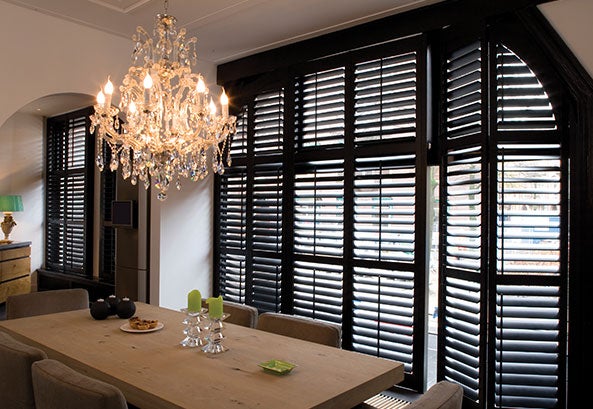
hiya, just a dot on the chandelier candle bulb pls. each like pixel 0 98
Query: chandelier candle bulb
pixel 108 90
pixel 201 86
pixel 101 99
pixel 171 127
pixel 212 108
pixel 224 104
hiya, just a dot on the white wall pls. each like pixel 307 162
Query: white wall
pixel 185 236
pixel 21 172
pixel 43 55
pixel 572 19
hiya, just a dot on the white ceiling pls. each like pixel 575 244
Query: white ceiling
pixel 227 29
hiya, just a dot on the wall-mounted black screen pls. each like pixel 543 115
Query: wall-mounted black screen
pixel 123 213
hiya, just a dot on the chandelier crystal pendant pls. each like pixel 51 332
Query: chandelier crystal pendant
pixel 170 126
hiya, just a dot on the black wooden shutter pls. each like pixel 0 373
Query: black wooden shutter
pixel 232 218
pixel 463 245
pixel 107 241
pixel 319 241
pixel 528 358
pixel 69 205
pixel 502 218
pixel 389 172
pixel 265 182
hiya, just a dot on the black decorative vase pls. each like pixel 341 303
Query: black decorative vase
pixel 126 308
pixel 100 309
pixel 113 301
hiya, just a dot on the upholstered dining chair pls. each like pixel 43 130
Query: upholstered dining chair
pixel 16 387
pixel 57 386
pixel 303 328
pixel 441 395
pixel 46 302
pixel 241 314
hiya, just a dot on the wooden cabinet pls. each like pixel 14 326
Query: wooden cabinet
pixel 15 269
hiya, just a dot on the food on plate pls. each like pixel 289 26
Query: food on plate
pixel 142 324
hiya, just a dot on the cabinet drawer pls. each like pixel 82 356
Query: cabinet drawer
pixel 15 253
pixel 14 268
pixel 20 286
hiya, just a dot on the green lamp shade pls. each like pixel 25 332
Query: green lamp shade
pixel 11 203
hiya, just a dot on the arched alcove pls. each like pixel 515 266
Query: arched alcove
pixel 22 163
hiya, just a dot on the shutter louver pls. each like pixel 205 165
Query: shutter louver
pixel 319 210
pixel 320 99
pixel 232 277
pixel 527 346
pixel 464 209
pixel 463 92
pixel 269 123
pixel 385 99
pixel 528 234
pixel 318 291
pixel 239 139
pixel 267 284
pixel 383 308
pixel 233 233
pixel 267 238
pixel 523 104
pixel 267 209
pixel 384 209
pixel 462 330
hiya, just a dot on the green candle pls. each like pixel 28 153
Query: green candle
pixel 215 307
pixel 194 301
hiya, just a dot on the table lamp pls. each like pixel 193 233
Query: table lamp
pixel 9 204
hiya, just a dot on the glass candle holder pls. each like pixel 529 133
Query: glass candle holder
pixel 194 328
pixel 215 336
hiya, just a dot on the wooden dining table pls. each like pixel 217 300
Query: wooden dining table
pixel 154 370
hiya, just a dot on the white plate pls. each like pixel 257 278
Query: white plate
pixel 126 328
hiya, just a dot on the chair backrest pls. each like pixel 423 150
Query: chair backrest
pixel 16 387
pixel 300 327
pixel 57 386
pixel 441 395
pixel 241 314
pixel 46 302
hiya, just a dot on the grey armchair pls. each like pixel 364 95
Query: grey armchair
pixel 241 314
pixel 307 329
pixel 16 358
pixel 46 302
pixel 57 386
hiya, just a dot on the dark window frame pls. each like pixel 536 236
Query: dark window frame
pixel 60 196
pixel 57 156
pixel 568 86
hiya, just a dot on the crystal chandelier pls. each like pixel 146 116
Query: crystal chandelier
pixel 170 126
